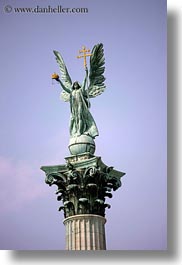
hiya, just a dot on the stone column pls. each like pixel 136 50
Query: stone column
pixel 83 184
pixel 85 232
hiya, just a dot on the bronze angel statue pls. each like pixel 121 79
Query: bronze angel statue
pixel 81 120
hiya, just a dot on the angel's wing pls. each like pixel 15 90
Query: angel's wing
pixel 96 77
pixel 65 77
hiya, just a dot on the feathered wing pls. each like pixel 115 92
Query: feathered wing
pixel 96 77
pixel 65 77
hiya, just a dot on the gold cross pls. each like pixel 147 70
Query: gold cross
pixel 84 56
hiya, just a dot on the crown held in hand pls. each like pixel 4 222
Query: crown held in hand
pixel 55 76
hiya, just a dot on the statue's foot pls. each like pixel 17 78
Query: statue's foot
pixel 86 133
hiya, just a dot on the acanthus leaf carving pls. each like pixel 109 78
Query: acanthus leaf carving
pixel 83 189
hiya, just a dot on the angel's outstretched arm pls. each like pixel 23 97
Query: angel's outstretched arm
pixel 85 79
pixel 63 86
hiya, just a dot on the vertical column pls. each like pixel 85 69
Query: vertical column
pixel 85 232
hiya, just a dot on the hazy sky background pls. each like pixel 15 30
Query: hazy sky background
pixel 130 115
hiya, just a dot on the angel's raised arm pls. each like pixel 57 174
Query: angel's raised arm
pixel 85 79
pixel 68 90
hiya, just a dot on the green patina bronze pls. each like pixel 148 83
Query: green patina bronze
pixel 81 120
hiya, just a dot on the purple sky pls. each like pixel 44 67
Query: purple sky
pixel 130 115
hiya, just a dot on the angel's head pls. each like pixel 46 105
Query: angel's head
pixel 76 85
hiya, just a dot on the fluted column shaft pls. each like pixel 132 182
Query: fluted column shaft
pixel 85 232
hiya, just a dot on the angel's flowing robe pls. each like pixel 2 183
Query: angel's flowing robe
pixel 81 121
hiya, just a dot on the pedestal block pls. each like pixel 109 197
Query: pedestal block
pixel 85 232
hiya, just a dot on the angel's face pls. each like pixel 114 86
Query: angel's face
pixel 76 85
